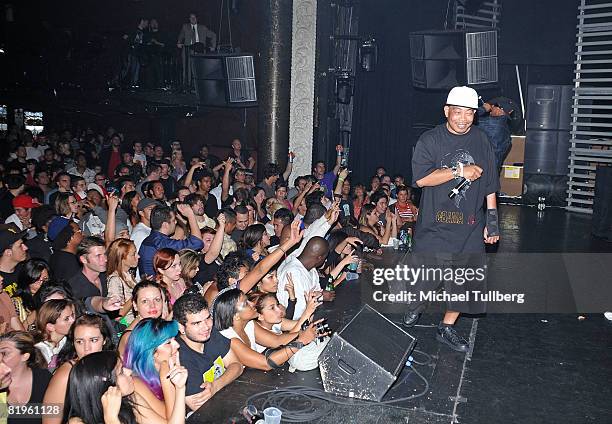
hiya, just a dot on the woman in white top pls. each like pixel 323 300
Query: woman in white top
pixel 53 322
pixel 233 317
pixel 272 319
pixel 272 314
pixel 122 257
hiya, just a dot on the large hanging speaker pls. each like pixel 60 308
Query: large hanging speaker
pixel 547 152
pixel 602 203
pixel 549 107
pixel 364 359
pixel 444 59
pixel 224 80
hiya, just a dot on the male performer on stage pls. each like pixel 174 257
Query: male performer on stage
pixel 454 164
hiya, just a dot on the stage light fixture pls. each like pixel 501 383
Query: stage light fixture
pixel 368 54
pixel 344 87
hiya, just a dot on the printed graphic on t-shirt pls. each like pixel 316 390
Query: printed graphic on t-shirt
pixel 453 159
pixel 449 217
pixel 215 371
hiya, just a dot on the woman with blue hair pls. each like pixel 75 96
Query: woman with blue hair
pixel 152 352
pixel 101 390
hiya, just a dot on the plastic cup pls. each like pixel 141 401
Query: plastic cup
pixel 272 415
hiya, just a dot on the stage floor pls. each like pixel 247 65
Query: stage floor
pixel 521 368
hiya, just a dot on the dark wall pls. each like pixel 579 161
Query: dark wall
pixel 71 46
pixel 390 114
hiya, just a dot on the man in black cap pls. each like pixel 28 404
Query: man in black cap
pixel 40 245
pixel 142 230
pixel 13 252
pixel 66 236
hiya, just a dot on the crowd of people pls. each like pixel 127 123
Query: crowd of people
pixel 129 272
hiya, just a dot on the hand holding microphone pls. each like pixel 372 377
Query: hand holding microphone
pixel 472 172
pixel 467 174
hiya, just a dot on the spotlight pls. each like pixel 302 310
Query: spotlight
pixel 344 87
pixel 368 55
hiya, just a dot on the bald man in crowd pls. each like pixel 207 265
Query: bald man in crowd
pixel 304 274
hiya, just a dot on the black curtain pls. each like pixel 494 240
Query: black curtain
pixel 388 112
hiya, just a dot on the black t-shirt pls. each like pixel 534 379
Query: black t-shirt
pixel 452 225
pixel 274 240
pixel 10 280
pixel 52 197
pixel 64 265
pixel 215 348
pixel 82 288
pixel 40 380
pixel 39 247
pixel 170 185
pixel 206 272
pixel 211 161
pixel 6 204
pixel 244 156
pixel 211 208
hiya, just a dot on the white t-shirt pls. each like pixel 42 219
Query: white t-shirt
pixel 229 333
pixel 139 233
pixel 318 228
pixel 217 193
pixel 276 329
pixel 303 282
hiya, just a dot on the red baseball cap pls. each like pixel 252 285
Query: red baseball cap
pixel 25 201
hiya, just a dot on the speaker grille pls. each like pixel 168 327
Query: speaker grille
pixel 239 67
pixel 482 71
pixel 242 90
pixel 481 44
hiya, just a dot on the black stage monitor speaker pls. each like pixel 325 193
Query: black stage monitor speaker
pixel 364 359
pixel 444 59
pixel 224 80
pixel 602 203
pixel 547 152
pixel 549 107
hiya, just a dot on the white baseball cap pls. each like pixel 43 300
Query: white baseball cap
pixel 463 96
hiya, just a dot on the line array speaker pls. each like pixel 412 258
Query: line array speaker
pixel 444 59
pixel 225 80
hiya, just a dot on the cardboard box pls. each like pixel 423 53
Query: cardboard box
pixel 516 155
pixel 511 180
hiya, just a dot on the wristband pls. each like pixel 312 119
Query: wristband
pixel 455 172
pixel 492 223
pixel 269 360
pixel 296 344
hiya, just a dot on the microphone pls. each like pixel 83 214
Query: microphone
pixel 457 189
